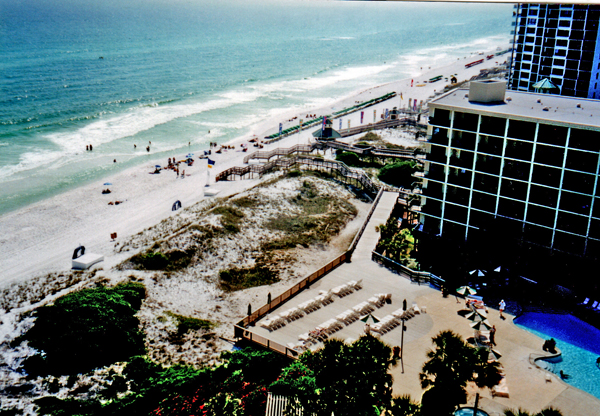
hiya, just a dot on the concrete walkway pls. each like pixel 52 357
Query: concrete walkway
pixel 527 384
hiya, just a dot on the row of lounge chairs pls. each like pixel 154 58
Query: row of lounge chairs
pixel 394 320
pixel 595 306
pixel 323 299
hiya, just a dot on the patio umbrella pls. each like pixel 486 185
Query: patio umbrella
pixel 366 318
pixel 476 316
pixel 466 291
pixel 494 354
pixel 478 273
pixel 481 325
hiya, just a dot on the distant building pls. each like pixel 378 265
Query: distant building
pixel 327 132
pixel 558 42
pixel 525 162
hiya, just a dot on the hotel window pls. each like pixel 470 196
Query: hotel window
pixel 579 204
pixel 582 161
pixel 531 21
pixel 543 196
pixel 541 216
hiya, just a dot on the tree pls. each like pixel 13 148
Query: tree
pixel 549 411
pixel 86 329
pixel 399 173
pixel 351 379
pixel 451 365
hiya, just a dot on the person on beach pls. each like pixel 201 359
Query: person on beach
pixel 91 148
pixel 134 146
pixel 147 148
pixel 87 147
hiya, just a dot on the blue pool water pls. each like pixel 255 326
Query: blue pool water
pixel 469 411
pixel 579 343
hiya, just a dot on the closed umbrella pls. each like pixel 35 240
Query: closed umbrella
pixel 466 291
pixel 478 326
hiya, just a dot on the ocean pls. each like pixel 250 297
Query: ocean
pixel 117 73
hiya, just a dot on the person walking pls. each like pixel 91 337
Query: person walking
pixel 502 306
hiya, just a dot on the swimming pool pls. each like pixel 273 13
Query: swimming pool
pixel 579 343
pixel 469 411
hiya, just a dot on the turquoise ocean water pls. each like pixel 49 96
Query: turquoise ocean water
pixel 114 73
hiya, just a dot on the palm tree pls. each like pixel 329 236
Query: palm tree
pixel 453 363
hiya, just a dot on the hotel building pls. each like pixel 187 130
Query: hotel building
pixel 558 42
pixel 528 163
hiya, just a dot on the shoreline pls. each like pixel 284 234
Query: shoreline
pixel 40 238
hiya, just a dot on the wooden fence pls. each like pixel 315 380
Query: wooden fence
pixel 414 275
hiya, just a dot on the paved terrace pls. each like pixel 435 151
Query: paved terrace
pixel 529 389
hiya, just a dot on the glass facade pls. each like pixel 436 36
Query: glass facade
pixel 538 179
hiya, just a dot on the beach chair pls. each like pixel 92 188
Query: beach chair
pixel 416 309
pixel 585 302
pixel 594 305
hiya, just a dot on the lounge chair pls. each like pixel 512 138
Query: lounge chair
pixel 594 304
pixel 585 302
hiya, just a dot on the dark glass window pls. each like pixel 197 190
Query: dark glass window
pixel 523 130
pixel 517 170
pixel 578 182
pixel 492 125
pixel 539 215
pixel 484 202
pixel 518 150
pixel 572 223
pixel 490 144
pixel 511 209
pixel 543 196
pixel 584 140
pixel 439 136
pixel 582 161
pixel 486 183
pixel 457 195
pixel 513 189
pixel 433 207
pixel 549 155
pixel 463 140
pixel 546 176
pixel 550 134
pixel 436 172
pixel 454 231
pixel 432 225
pixel 461 177
pixel 466 121
pixel 455 213
pixel 577 203
pixel 441 117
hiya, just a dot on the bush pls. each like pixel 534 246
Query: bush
pixel 238 278
pixel 399 173
pixel 349 158
pixel 85 330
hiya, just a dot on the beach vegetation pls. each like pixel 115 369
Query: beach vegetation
pixel 350 159
pixel 169 261
pixel 245 202
pixel 399 173
pixel 239 278
pixel 186 324
pixel 230 218
pixel 84 330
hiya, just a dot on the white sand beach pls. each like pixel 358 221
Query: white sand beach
pixel 40 238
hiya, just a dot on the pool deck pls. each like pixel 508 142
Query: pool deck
pixel 527 384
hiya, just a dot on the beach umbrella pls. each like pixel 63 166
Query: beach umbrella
pixel 478 273
pixel 494 354
pixel 485 324
pixel 107 184
pixel 476 316
pixel 544 86
pixel 366 318
pixel 466 291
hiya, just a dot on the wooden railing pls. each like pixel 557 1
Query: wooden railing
pixel 291 292
pixel 414 275
pixel 282 151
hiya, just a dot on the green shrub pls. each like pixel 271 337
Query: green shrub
pixel 85 330
pixel 349 158
pixel 187 323
pixel 399 173
pixel 238 278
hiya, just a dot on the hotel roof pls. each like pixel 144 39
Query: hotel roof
pixel 552 109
